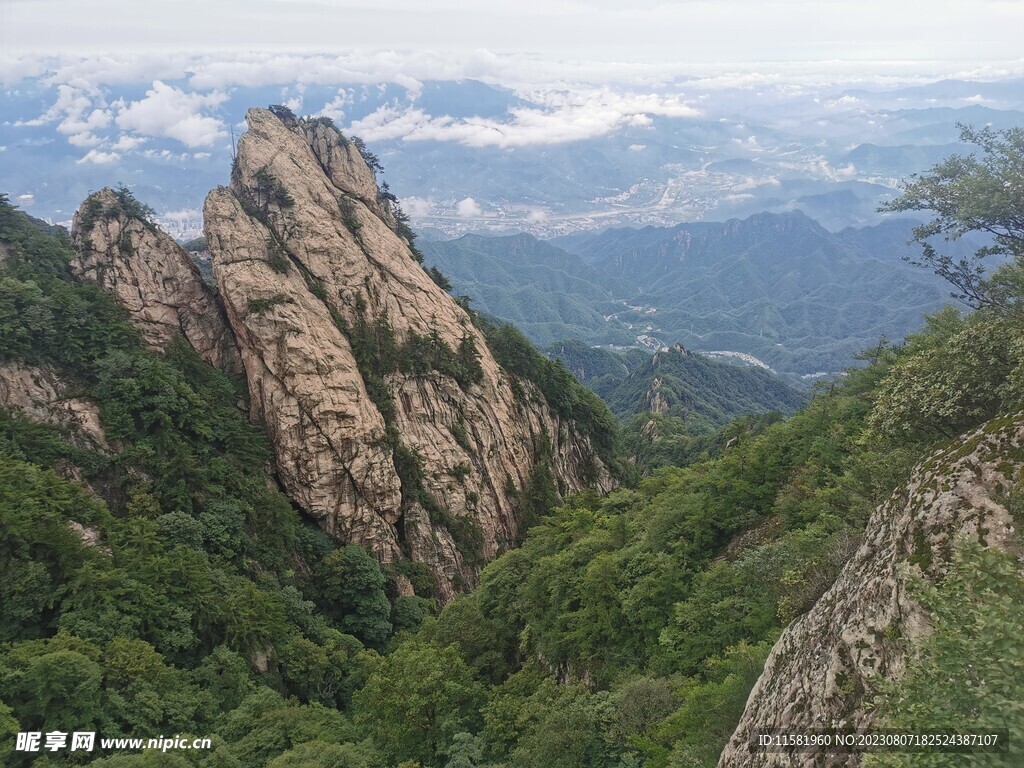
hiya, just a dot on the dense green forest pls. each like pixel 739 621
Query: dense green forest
pixel 704 393
pixel 626 631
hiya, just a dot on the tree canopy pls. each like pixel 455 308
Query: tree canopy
pixel 981 194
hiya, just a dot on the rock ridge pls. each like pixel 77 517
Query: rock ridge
pixel 824 669
pixel 393 424
pixel 147 272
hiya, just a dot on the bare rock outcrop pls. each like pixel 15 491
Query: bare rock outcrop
pixel 149 274
pixel 41 395
pixel 305 386
pixel 826 666
pixel 348 346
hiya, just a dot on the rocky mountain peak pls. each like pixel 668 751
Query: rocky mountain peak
pixel 119 247
pixel 393 423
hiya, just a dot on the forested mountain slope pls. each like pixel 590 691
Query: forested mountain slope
pixel 705 393
pixel 546 292
pixel 777 286
pixel 156 579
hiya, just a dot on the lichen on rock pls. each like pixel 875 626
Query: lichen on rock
pixel 827 664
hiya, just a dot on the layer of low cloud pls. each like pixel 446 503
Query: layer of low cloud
pixel 724 30
pixel 564 102
pixel 99 157
pixel 564 116
pixel 409 69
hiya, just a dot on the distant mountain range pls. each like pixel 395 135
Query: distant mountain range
pixel 470 156
pixel 548 293
pixel 779 287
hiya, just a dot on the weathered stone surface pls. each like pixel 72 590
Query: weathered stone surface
pixel 89 535
pixel 656 400
pixel 152 277
pixel 304 386
pixel 41 395
pixel 304 250
pixel 827 664
pixel 342 164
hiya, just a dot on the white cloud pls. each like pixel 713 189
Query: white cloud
pixel 174 113
pixel 563 116
pixel 85 139
pixel 183 215
pixel 409 68
pixel 96 119
pixel 416 206
pixel 14 69
pixel 99 158
pixel 74 108
pixel 117 69
pixel 335 108
pixel 844 101
pixel 24 201
pixel 636 147
pixel 127 142
pixel 392 122
pixel 468 208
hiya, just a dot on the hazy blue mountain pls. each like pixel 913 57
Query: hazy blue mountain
pixel 467 98
pixel 947 89
pixel 903 159
pixel 548 293
pixel 939 125
pixel 779 287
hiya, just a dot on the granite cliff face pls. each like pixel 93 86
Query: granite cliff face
pixel 151 276
pixel 826 666
pixel 39 394
pixel 393 424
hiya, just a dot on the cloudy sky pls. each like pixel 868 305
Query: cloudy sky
pixel 116 79
pixel 695 31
